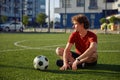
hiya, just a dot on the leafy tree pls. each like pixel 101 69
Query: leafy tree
pixel 102 20
pixel 3 19
pixel 40 19
pixel 112 19
pixel 25 20
pixel 104 23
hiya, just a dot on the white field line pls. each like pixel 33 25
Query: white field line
pixel 27 47
pixel 47 47
pixel 17 44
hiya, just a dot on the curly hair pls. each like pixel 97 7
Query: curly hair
pixel 80 18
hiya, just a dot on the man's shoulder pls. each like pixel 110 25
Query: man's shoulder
pixel 91 33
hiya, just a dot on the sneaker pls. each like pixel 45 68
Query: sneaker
pixel 83 65
pixel 59 63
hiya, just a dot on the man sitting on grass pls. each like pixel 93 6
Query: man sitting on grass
pixel 85 43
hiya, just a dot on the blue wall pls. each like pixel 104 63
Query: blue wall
pixel 69 24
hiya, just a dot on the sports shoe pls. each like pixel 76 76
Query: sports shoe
pixel 83 65
pixel 59 63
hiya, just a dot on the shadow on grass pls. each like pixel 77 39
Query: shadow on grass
pixel 106 67
pixel 98 69
pixel 91 72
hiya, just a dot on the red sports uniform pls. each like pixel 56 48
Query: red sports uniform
pixel 82 44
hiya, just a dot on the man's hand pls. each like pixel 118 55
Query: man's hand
pixel 65 67
pixel 74 65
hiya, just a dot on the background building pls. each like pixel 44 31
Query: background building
pixel 15 9
pixel 93 9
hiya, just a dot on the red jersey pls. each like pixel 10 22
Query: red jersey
pixel 82 44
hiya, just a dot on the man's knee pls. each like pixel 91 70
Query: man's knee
pixel 59 51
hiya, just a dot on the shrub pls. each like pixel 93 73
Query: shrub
pixel 103 26
pixel 110 25
pixel 112 19
pixel 102 20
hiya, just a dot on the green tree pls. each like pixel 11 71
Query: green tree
pixel 104 23
pixel 40 19
pixel 25 20
pixel 3 19
pixel 112 19
pixel 103 20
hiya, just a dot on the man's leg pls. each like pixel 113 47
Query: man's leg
pixel 59 52
pixel 88 61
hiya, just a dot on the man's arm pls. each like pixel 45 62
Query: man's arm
pixel 89 52
pixel 66 52
pixel 65 57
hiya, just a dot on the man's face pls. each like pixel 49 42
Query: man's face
pixel 77 26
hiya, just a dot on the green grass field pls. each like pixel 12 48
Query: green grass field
pixel 17 51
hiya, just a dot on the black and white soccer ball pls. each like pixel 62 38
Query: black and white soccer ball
pixel 40 62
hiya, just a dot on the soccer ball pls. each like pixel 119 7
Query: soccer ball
pixel 40 62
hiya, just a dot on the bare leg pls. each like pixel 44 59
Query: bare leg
pixel 60 51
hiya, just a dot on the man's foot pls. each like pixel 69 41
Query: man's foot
pixel 59 63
